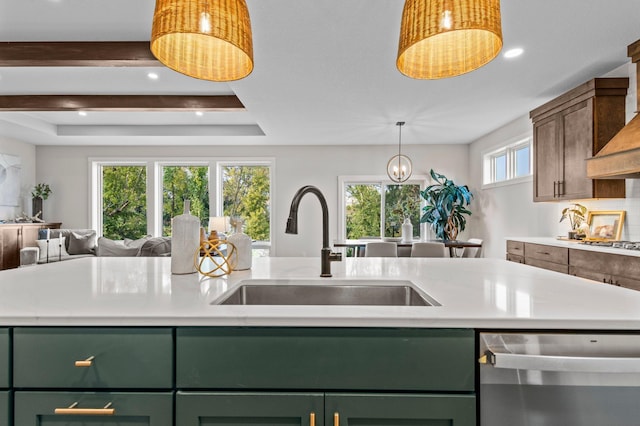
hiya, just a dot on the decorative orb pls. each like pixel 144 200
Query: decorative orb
pixel 211 261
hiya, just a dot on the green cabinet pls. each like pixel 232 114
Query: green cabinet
pixel 4 358
pixel 245 408
pixel 318 409
pixel 344 409
pixel 385 376
pixel 93 409
pixel 325 358
pixel 95 358
pixel 5 409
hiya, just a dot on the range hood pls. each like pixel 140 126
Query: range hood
pixel 620 157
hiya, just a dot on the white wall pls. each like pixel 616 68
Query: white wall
pixel 66 170
pixel 509 211
pixel 27 154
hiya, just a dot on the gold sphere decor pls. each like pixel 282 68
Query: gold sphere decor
pixel 211 261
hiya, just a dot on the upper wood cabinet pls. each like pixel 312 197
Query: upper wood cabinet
pixel 570 129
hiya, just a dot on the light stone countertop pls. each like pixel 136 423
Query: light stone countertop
pixel 474 293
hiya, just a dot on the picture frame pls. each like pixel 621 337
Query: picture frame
pixel 605 225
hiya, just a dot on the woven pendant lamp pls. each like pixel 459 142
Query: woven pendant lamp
pixel 205 39
pixel 445 38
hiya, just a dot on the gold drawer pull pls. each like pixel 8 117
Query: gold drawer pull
pixel 86 363
pixel 312 419
pixel 105 411
pixel 336 419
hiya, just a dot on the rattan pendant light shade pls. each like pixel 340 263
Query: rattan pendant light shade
pixel 445 38
pixel 205 39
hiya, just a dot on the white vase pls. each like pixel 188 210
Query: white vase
pixel 241 259
pixel 407 231
pixel 185 241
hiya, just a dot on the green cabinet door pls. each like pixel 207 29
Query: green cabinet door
pixel 129 409
pixel 241 408
pixel 4 358
pixel 4 408
pixel 348 409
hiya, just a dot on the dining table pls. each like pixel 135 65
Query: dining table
pixel 359 245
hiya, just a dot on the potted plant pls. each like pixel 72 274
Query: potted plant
pixel 445 210
pixel 39 193
pixel 576 214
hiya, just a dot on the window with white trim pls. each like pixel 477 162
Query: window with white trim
pixel 134 198
pixel 374 207
pixel 508 163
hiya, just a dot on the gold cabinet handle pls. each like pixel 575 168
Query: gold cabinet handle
pixel 336 419
pixel 85 363
pixel 105 411
pixel 312 419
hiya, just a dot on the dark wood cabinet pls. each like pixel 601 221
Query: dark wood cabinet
pixel 570 129
pixel 15 236
pixel 608 268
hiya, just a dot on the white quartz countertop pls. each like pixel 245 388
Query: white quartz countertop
pixel 574 244
pixel 477 293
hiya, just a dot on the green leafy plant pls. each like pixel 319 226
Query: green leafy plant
pixel 445 210
pixel 576 214
pixel 41 190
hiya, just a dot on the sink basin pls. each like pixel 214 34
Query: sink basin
pixel 326 292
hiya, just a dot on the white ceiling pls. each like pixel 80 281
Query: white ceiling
pixel 324 73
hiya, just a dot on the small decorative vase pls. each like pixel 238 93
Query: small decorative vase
pixel 407 231
pixel 36 207
pixel 185 241
pixel 241 259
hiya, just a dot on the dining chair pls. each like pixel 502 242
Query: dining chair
pixel 429 249
pixel 472 251
pixel 381 249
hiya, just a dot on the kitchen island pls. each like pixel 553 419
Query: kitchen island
pixel 122 337
pixel 473 293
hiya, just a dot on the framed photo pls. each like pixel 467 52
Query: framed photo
pixel 605 225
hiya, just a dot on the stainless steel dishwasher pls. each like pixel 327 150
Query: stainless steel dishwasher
pixel 546 379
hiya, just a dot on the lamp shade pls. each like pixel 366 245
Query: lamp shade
pixel 219 223
pixel 445 38
pixel 205 39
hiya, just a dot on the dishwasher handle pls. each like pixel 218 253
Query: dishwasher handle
pixel 561 363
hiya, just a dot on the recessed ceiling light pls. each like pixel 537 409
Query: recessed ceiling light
pixel 82 113
pixel 199 113
pixel 513 53
pixel 152 76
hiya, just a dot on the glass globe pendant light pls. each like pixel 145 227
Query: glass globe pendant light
pixel 399 167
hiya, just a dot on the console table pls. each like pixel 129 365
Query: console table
pixel 15 236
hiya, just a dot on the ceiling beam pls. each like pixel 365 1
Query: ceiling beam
pixel 77 54
pixel 120 103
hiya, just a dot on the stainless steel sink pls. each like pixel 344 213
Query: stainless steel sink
pixel 326 292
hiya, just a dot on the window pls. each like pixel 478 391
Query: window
pixel 508 163
pixel 374 207
pixel 123 204
pixel 131 199
pixel 246 194
pixel 180 183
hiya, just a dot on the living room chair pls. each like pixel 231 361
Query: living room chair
pixel 472 251
pixel 381 249
pixel 428 249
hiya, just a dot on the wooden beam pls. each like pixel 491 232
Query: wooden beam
pixel 120 103
pixel 77 54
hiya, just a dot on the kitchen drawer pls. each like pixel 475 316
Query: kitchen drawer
pixel 5 405
pixel 547 265
pixel 515 247
pixel 123 357
pixel 4 358
pixel 614 264
pixel 547 253
pixel 597 276
pixel 316 358
pixel 129 408
pixel 515 258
